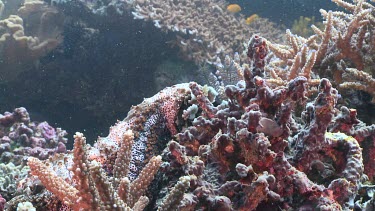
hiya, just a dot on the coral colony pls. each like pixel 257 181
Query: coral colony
pixel 278 139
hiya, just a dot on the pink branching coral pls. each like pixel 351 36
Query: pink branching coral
pixel 91 189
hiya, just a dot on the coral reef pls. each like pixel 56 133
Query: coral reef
pixel 247 153
pixel 277 138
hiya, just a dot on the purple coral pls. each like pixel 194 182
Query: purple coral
pixel 47 131
pixel 18 115
pixel 21 137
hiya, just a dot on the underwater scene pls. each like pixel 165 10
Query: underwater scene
pixel 184 105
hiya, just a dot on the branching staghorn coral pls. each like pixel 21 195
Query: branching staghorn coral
pixel 346 39
pixel 173 200
pixel 359 80
pixel 91 188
